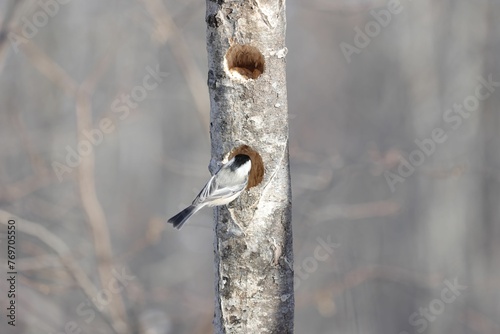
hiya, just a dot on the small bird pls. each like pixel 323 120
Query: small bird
pixel 222 188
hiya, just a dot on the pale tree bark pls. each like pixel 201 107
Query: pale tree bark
pixel 253 243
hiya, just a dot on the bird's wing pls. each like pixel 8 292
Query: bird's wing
pixel 226 191
pixel 213 190
pixel 205 192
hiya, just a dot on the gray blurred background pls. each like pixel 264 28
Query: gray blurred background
pixel 394 149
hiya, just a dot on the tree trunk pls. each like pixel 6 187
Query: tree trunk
pixel 253 243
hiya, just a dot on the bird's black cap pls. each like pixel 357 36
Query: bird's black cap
pixel 239 160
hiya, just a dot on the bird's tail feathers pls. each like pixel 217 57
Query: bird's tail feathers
pixel 179 219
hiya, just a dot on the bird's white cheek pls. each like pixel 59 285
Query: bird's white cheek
pixel 244 170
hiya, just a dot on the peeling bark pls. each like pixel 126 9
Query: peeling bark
pixel 253 243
